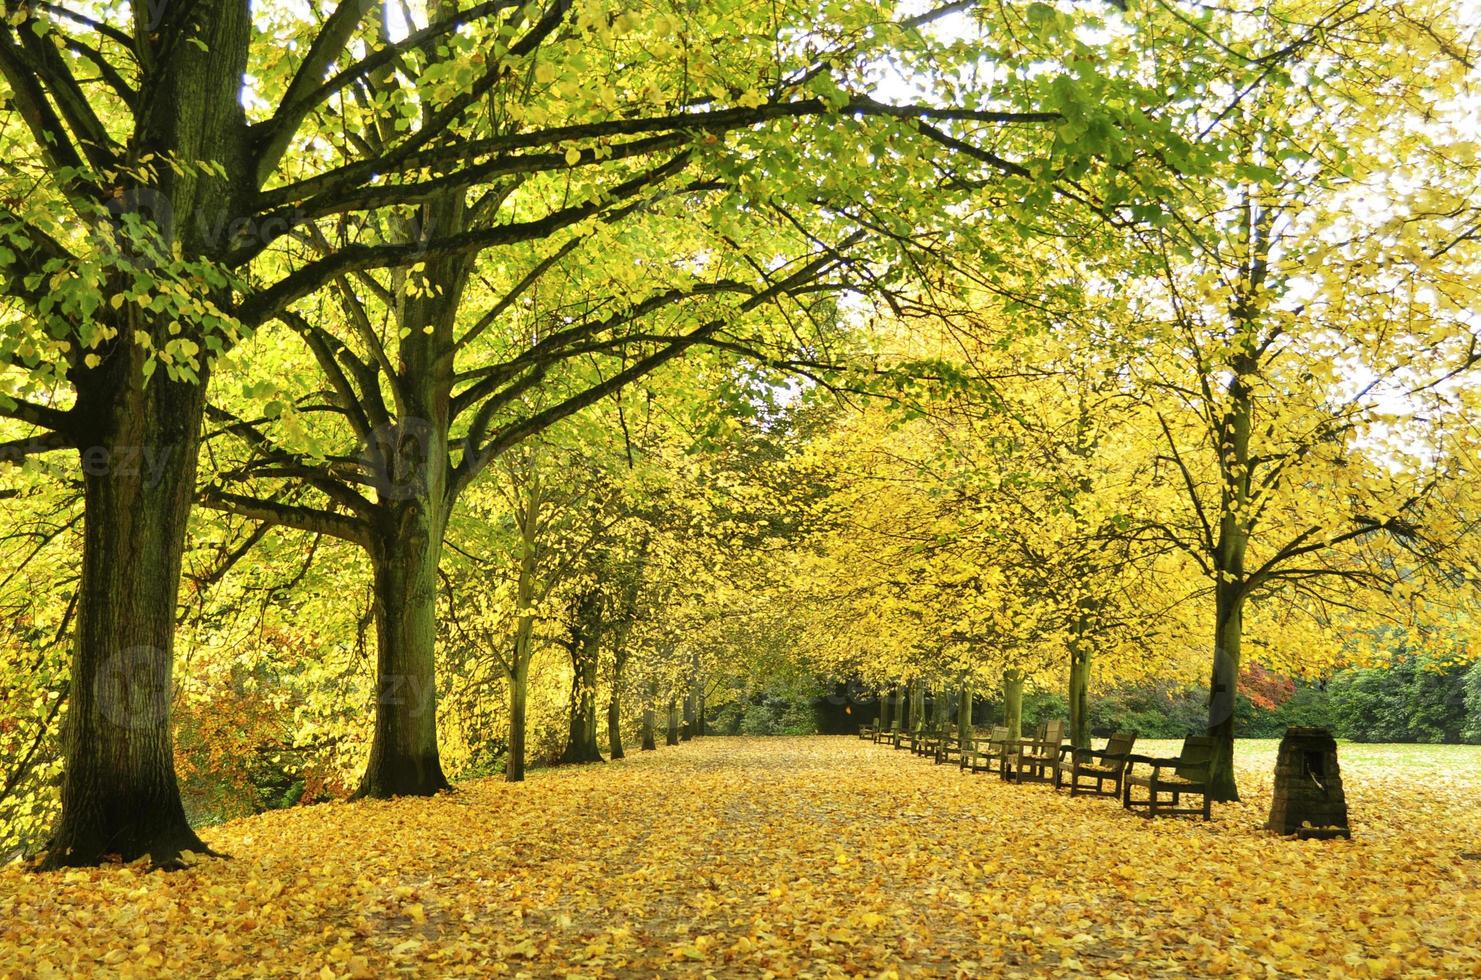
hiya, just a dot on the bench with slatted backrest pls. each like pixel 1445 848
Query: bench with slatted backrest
pixel 867 731
pixel 886 734
pixel 986 753
pixel 1095 768
pixel 949 747
pixel 923 740
pixel 1034 759
pixel 1169 780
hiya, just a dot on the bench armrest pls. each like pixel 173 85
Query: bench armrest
pixel 1105 756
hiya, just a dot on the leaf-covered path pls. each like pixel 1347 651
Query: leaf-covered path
pixel 805 857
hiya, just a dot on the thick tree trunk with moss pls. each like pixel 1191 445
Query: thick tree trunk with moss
pixel 138 438
pixel 405 551
pixel 119 792
pixel 410 471
pixel 671 736
pixel 942 710
pixel 1013 703
pixel 917 706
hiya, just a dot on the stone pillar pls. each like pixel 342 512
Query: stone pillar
pixel 1308 800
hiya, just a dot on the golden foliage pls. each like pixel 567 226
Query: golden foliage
pixel 813 857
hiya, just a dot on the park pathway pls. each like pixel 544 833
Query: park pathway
pixel 797 856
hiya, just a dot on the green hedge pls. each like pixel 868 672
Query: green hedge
pixel 1412 701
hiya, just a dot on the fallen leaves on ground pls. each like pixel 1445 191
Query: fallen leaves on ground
pixel 797 857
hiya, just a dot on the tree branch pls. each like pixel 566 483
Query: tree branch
pixel 272 136
pixel 259 307
pixel 310 519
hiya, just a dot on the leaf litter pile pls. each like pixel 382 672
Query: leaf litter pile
pixel 793 857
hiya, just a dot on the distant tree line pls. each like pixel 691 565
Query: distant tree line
pixel 1413 700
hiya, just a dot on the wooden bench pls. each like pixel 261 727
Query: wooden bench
pixel 1171 779
pixel 867 731
pixel 1107 765
pixel 987 752
pixel 949 748
pixel 1035 758
pixel 880 735
pixel 923 741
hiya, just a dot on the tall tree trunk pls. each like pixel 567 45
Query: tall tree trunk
pixel 405 551
pixel 138 439
pixel 648 718
pixel 1236 513
pixel 1230 585
pixel 119 792
pixel 527 517
pixel 585 649
pixel 410 469
pixel 1079 693
pixel 917 706
pixel 964 715
pixel 1223 685
pixel 614 724
pixel 671 737
pixel 687 732
pixel 1013 703
pixel 625 614
pixel 941 710
pixel 519 686
pixel 699 714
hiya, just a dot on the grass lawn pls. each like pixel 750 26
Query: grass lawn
pixel 797 857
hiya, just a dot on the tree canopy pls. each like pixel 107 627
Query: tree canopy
pixel 396 393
